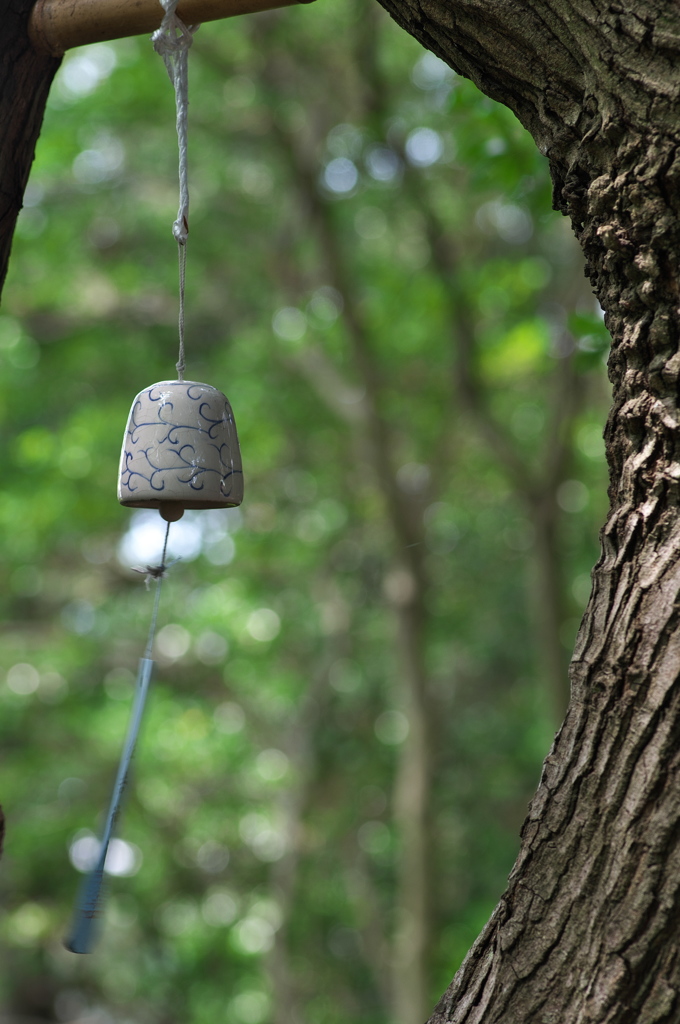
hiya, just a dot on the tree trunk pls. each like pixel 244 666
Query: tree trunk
pixel 586 930
pixel 25 79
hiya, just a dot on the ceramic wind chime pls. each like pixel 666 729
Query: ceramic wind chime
pixel 180 451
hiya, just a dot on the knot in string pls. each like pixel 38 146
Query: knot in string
pixel 172 41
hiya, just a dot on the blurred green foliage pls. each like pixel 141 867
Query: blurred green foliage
pixel 331 159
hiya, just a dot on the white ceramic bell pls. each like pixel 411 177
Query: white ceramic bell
pixel 180 450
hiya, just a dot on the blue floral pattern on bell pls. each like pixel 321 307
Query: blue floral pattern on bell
pixel 180 450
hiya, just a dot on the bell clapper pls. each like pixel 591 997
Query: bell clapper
pixel 170 511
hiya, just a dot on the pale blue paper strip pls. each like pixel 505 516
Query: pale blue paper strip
pixel 83 932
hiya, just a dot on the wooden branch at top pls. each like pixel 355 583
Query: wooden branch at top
pixel 57 25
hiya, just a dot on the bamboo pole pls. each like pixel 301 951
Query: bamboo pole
pixel 57 25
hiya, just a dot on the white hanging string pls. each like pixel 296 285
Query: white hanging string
pixel 172 41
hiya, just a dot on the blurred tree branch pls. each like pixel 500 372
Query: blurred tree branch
pixel 25 79
pixel 406 587
pixel 535 486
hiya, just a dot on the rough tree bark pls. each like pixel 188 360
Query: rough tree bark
pixel 586 929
